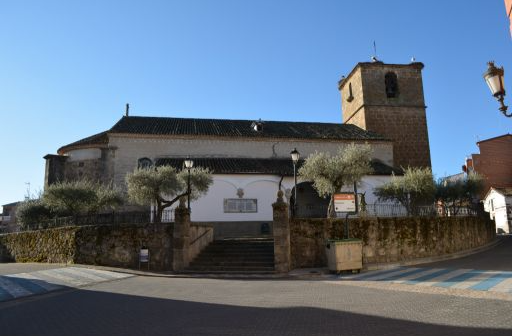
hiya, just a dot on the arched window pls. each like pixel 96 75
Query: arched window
pixel 144 163
pixel 391 85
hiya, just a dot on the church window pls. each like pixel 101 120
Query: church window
pixel 234 205
pixel 144 163
pixel 391 85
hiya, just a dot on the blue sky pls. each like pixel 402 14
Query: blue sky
pixel 67 67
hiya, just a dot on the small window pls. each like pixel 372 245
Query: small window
pixel 80 164
pixel 144 163
pixel 234 205
pixel 391 85
pixel 350 95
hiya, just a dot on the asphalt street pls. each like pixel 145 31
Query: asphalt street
pixel 143 305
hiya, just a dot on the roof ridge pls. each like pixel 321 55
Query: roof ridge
pixel 229 119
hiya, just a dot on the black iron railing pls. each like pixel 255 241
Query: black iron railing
pixel 386 210
pixel 110 218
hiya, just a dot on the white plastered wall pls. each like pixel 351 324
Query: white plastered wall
pixel 498 209
pixel 210 207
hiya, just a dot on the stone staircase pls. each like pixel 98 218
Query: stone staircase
pixel 247 255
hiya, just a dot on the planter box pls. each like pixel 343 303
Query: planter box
pixel 344 254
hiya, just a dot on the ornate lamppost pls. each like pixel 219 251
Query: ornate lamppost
pixel 494 78
pixel 295 159
pixel 189 163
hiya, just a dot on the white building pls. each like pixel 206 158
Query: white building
pixel 498 203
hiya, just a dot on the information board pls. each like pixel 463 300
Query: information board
pixel 144 255
pixel 345 202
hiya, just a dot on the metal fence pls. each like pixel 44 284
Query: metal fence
pixel 386 210
pixel 111 218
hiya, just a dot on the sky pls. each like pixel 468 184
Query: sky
pixel 67 68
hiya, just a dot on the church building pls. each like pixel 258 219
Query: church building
pixel 383 106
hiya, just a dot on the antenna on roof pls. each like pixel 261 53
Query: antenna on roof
pixel 374 57
pixel 127 111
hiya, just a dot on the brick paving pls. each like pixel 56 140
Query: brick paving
pixel 143 305
pixel 174 306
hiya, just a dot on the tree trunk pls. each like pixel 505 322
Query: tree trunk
pixel 159 211
pixel 331 213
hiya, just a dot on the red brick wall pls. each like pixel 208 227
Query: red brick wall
pixel 495 161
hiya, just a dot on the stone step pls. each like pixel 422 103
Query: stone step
pixel 229 272
pixel 235 256
pixel 200 263
pixel 259 245
pixel 211 268
pixel 218 249
pixel 217 257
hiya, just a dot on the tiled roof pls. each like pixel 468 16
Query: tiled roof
pixel 277 166
pixel 96 139
pixel 227 128
pixel 241 128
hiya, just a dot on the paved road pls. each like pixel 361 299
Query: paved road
pixel 25 284
pixel 496 259
pixel 179 306
pixel 167 306
pixel 490 270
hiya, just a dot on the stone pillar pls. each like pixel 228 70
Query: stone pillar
pixel 281 230
pixel 181 238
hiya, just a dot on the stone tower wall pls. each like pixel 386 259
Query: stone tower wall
pixel 401 118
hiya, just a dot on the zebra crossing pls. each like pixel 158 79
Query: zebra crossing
pixel 25 284
pixel 472 279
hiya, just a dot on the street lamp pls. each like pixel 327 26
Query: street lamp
pixel 295 158
pixel 189 163
pixel 494 78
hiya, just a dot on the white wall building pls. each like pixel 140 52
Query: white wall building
pixel 498 203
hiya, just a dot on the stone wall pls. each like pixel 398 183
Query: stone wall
pixel 53 245
pixel 389 239
pixel 106 245
pixel 401 118
pixel 200 236
pixel 131 148
pixel 119 246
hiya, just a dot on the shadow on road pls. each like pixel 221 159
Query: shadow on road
pixel 86 312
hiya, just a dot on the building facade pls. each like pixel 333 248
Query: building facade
pixel 388 99
pixel 494 162
pixel 498 203
pixel 251 159
pixel 508 9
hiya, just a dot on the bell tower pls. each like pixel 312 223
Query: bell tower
pixel 388 99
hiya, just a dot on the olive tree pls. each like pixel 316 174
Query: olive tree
pixel 33 211
pixel 163 186
pixel 76 197
pixel 416 187
pixel 462 192
pixel 330 173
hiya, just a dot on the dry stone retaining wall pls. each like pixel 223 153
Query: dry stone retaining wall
pixel 389 239
pixel 106 245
